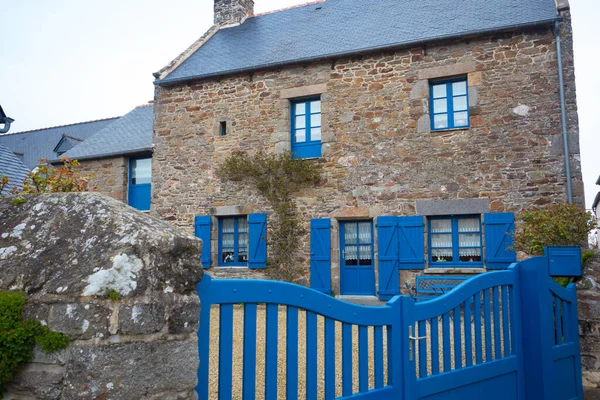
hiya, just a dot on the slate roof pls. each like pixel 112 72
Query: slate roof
pixel 336 28
pixel 40 143
pixel 130 134
pixel 11 166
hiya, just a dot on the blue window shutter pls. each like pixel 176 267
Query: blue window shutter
pixel 499 229
pixel 388 257
pixel 257 247
pixel 202 226
pixel 412 242
pixel 320 255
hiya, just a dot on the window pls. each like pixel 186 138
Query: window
pixel 449 104
pixel 233 241
pixel 140 177
pixel 223 128
pixel 306 128
pixel 455 242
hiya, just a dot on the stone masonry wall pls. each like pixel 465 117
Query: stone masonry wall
pixel 66 251
pixel 109 176
pixel 379 154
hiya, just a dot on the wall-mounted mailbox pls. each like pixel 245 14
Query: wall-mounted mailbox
pixel 564 261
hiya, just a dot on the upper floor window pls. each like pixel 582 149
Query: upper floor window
pixel 233 241
pixel 306 128
pixel 455 241
pixel 449 104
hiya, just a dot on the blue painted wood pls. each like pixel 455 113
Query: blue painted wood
pixel 388 258
pixel 225 350
pixel 499 228
pixel 446 341
pixel 457 338
pixel 497 325
pixel 363 359
pixel 558 320
pixel 139 188
pixel 304 145
pixel 357 276
pixel 448 100
pixel 202 227
pixel 477 328
pixel 564 260
pixel 291 348
pixel 203 289
pixel 422 326
pixel 467 322
pixel 487 325
pixel 257 241
pixel 320 255
pixel 435 346
pixel 505 324
pixel 249 368
pixel 411 244
pixel 346 359
pixel 329 359
pixel 311 356
pixel 271 351
pixel 454 246
pixel 378 356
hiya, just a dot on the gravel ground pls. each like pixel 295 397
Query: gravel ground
pixel 261 313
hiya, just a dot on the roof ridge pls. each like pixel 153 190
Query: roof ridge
pixel 145 105
pixel 60 126
pixel 287 8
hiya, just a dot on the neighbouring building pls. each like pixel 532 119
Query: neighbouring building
pixel 12 168
pixel 596 200
pixel 435 122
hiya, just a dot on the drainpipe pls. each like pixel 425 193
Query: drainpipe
pixel 563 112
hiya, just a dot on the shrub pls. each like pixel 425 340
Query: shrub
pixel 67 178
pixel 557 225
pixel 18 337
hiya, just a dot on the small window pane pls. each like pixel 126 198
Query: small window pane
pixel 300 135
pixel 315 134
pixel 469 240
pixel 441 225
pixel 470 255
pixel 460 103
pixel 315 106
pixel 439 91
pixel 461 119
pixel 227 240
pixel 468 225
pixel 243 224
pixel 227 256
pixel 440 106
pixel 364 232
pixel 141 171
pixel 350 233
pixel 242 255
pixel 228 224
pixel 441 255
pixel 300 108
pixel 315 120
pixel 440 121
pixel 350 255
pixel 364 255
pixel 301 122
pixel 438 240
pixel 459 88
pixel 243 240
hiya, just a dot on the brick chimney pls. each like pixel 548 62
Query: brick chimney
pixel 229 12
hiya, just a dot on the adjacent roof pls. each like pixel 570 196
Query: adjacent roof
pixel 40 143
pixel 130 134
pixel 12 167
pixel 343 27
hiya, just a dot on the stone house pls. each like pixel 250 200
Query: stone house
pixel 434 121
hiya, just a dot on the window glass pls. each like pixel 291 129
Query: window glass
pixel 440 106
pixel 440 121
pixel 455 240
pixel 460 103
pixel 441 225
pixel 459 88
pixel 439 91
pixel 306 125
pixel 315 106
pixel 315 134
pixel 449 105
pixel 460 119
pixel 315 120
pixel 141 171
pixel 300 108
pixel 300 122
pixel 300 135
pixel 233 241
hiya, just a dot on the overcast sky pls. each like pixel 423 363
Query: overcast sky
pixel 67 61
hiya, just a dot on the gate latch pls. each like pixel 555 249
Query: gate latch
pixel 413 339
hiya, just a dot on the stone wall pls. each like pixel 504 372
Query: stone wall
pixel 588 296
pixel 65 251
pixel 379 154
pixel 232 11
pixel 109 176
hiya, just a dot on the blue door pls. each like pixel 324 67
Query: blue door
pixel 357 275
pixel 140 177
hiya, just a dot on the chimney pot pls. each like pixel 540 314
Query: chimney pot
pixel 229 12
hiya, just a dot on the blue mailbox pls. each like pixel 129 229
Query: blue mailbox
pixel 564 261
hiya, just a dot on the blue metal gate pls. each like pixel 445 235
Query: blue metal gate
pixel 502 335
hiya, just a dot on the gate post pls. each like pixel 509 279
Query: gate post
pixel 399 365
pixel 537 324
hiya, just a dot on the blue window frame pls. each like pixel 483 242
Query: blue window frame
pixel 455 242
pixel 306 128
pixel 140 183
pixel 233 241
pixel 449 104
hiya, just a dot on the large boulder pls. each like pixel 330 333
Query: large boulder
pixel 67 252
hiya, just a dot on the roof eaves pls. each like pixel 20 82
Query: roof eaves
pixel 107 155
pixel 62 126
pixel 479 32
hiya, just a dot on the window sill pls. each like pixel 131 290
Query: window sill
pixel 230 267
pixel 464 128
pixel 453 270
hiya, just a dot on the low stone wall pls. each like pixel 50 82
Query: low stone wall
pixel 588 295
pixel 66 251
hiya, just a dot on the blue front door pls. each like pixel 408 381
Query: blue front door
pixel 140 177
pixel 357 276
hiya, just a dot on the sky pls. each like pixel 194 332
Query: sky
pixel 68 61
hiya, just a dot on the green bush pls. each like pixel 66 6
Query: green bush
pixel 18 337
pixel 557 225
